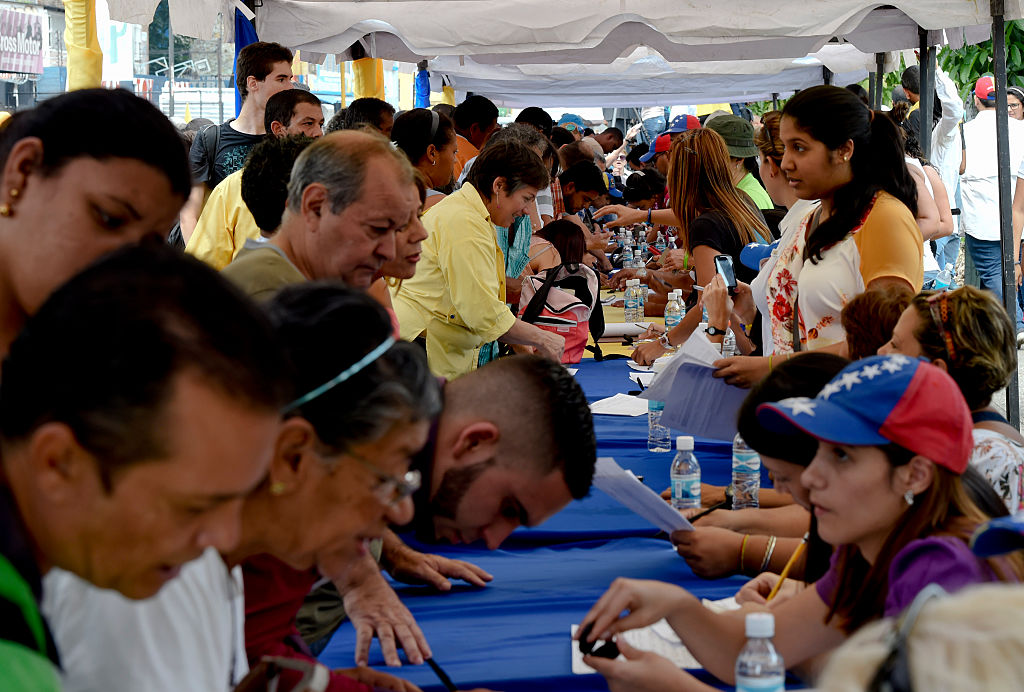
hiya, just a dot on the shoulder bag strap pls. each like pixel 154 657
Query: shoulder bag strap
pixel 537 302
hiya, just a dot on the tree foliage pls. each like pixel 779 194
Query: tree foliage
pixel 966 65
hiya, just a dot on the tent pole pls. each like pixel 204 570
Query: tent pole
pixel 826 75
pixel 927 60
pixel 775 101
pixel 871 90
pixel 880 77
pixel 1005 223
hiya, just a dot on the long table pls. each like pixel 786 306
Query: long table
pixel 514 634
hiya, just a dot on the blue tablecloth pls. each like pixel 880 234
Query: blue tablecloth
pixel 514 634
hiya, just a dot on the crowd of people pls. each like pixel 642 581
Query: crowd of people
pixel 208 456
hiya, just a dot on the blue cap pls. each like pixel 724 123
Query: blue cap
pixel 753 254
pixel 682 123
pixel 609 182
pixel 999 536
pixel 572 118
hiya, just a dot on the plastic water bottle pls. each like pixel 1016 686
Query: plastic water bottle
pixel 944 278
pixel 685 475
pixel 659 242
pixel 659 439
pixel 673 311
pixel 633 311
pixel 759 668
pixel 729 344
pixel 746 474
pixel 638 258
pixel 644 293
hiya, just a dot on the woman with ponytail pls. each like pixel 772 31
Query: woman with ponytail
pixel 863 235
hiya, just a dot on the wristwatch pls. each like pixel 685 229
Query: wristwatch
pixel 714 331
pixel 663 340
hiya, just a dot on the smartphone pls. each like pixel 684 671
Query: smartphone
pixel 723 266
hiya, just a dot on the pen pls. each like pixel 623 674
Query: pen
pixel 721 505
pixel 442 676
pixel 789 565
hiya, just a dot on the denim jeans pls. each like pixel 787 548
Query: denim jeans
pixel 986 255
pixel 946 250
pixel 654 127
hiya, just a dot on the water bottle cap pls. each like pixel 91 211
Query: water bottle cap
pixel 760 625
pixel 684 443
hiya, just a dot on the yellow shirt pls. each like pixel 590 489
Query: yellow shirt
pixel 457 298
pixel 224 226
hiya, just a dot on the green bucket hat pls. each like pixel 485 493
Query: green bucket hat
pixel 737 133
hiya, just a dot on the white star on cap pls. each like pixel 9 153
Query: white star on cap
pixel 871 371
pixel 802 405
pixel 849 379
pixel 892 365
pixel 830 389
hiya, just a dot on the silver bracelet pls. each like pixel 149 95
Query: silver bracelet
pixel 768 553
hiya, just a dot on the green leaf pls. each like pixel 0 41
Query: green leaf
pixel 1014 55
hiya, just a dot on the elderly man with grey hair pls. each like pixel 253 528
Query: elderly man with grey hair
pixel 349 194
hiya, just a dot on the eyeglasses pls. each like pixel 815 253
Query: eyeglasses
pixel 893 675
pixel 391 490
pixel 1013 106
pixel 938 304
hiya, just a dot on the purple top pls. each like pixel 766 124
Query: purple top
pixel 942 560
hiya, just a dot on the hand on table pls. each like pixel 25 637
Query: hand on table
pixel 617 281
pixel 647 602
pixel 742 371
pixel 710 552
pixel 373 607
pixel 413 567
pixel 377 679
pixel 598 240
pixel 675 260
pixel 756 590
pixel 624 216
pixel 653 331
pixel 642 671
pixel 646 354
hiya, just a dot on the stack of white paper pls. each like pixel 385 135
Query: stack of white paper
pixel 658 638
pixel 620 405
pixel 624 487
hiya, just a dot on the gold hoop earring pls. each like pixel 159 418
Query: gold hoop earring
pixel 5 210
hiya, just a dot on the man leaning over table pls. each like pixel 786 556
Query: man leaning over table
pixel 485 473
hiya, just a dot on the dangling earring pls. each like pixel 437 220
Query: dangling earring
pixel 909 497
pixel 433 163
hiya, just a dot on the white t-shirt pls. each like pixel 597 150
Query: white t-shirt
pixel 190 636
pixel 789 225
pixel 979 185
pixel 928 257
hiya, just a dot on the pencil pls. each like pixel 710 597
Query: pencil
pixel 789 566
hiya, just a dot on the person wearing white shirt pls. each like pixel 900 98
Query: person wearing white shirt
pixel 979 186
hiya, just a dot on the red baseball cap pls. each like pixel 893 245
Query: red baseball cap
pixel 985 88
pixel 662 144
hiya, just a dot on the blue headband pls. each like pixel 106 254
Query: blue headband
pixel 343 375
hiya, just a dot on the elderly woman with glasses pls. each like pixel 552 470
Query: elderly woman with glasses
pixel 967 333
pixel 340 472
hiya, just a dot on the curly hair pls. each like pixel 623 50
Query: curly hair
pixel 984 341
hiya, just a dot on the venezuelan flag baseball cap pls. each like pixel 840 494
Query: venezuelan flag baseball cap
pixel 999 536
pixel 682 123
pixel 662 144
pixel 985 89
pixel 884 399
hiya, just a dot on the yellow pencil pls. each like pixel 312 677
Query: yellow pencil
pixel 789 566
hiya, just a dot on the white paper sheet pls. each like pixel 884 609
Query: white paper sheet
pixel 573 371
pixel 619 405
pixel 643 379
pixel 639 368
pixel 622 486
pixel 616 329
pixel 658 638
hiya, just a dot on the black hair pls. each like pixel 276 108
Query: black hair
pixel 445 109
pixel 314 322
pixel 281 106
pixel 633 157
pixel 560 136
pixel 337 122
pixel 528 136
pixel 615 132
pixel 860 93
pixel 367 111
pixel 477 110
pixel 585 175
pixel 568 239
pixel 832 116
pixel 644 185
pixel 537 117
pixel 143 133
pixel 413 128
pixel 910 80
pixel 257 60
pixel 265 178
pixel 103 353
pixel 516 163
pixel 587 131
pixel 982 494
